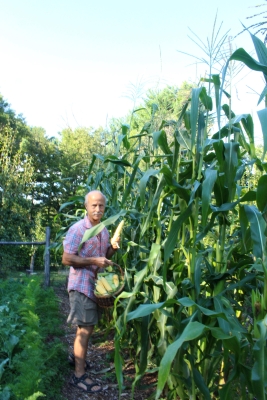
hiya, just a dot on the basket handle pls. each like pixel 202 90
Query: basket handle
pixel 117 265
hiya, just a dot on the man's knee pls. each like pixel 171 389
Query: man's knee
pixel 85 331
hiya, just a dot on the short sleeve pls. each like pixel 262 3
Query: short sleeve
pixel 73 239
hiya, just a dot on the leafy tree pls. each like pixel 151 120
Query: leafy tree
pixel 16 173
pixel 15 122
pixel 77 148
pixel 46 191
pixel 159 105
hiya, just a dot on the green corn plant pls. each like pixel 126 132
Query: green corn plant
pixel 225 195
pixel 193 247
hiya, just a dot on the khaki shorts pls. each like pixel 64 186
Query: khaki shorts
pixel 83 310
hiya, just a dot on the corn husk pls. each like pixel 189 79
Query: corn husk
pixel 117 233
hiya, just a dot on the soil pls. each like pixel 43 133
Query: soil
pixel 101 357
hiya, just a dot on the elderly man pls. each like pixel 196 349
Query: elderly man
pixel 95 253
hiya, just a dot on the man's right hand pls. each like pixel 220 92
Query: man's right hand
pixel 101 262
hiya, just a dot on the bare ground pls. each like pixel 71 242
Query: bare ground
pixel 100 355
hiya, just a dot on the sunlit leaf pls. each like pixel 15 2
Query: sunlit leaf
pixel 243 56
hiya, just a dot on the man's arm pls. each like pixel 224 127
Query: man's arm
pixel 110 252
pixel 84 262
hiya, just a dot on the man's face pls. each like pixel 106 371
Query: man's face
pixel 95 207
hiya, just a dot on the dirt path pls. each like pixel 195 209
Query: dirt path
pixel 100 355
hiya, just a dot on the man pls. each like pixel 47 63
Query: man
pixel 95 253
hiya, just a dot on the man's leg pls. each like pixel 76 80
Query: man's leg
pixel 84 313
pixel 80 348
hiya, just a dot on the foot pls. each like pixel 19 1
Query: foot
pixel 85 383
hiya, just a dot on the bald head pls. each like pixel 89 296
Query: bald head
pixel 92 194
pixel 95 203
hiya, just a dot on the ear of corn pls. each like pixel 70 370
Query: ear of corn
pixel 115 279
pixel 100 289
pixel 99 282
pixel 117 233
pixel 118 230
pixel 106 284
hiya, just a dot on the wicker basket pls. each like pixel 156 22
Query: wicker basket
pixel 107 300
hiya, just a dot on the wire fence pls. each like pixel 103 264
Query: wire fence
pixel 45 243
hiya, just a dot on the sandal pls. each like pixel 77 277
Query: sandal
pixel 75 382
pixel 71 360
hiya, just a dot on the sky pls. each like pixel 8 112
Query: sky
pixel 71 63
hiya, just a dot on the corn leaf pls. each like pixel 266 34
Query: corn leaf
pixel 257 227
pixel 191 331
pixel 262 114
pixel 207 188
pixel 147 309
pixel 194 114
pixel 2 366
pixel 99 227
pixel 199 381
pixel 223 323
pixel 217 85
pixel 260 50
pixel 261 194
pixel 231 163
pixel 118 365
pixel 248 125
pixel 259 371
pixel 119 161
pixel 160 139
pixel 243 56
pixel 125 129
pixel 144 180
pixel 171 241
pixel 131 180
pixel 205 99
pixel 155 201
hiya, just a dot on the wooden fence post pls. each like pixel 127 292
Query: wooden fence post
pixel 47 257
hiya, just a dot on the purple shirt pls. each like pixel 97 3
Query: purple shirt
pixel 82 279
